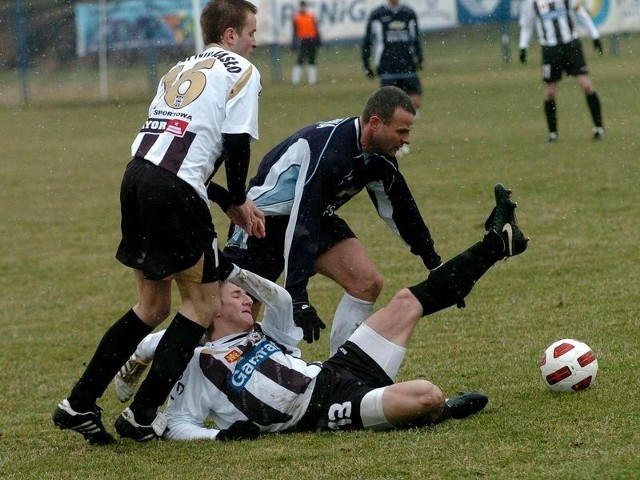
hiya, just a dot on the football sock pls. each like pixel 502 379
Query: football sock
pixel 594 107
pixel 115 348
pixel 312 74
pixel 550 114
pixel 449 284
pixel 172 356
pixel 351 312
pixel 296 74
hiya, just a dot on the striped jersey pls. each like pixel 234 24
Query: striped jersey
pixel 256 375
pixel 555 22
pixel 316 171
pixel 394 37
pixel 200 99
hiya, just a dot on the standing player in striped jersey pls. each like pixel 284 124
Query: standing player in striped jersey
pixel 300 185
pixel 250 378
pixel 205 112
pixel 393 37
pixel 556 23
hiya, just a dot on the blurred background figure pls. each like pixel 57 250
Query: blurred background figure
pixel 393 37
pixel 306 40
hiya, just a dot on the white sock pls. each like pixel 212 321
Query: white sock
pixel 351 312
pixel 312 74
pixel 296 74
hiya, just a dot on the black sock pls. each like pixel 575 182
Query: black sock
pixel 550 114
pixel 594 107
pixel 115 348
pixel 452 282
pixel 171 358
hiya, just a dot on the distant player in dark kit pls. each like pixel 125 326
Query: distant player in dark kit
pixel 556 23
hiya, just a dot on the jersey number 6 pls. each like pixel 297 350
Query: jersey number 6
pixel 182 89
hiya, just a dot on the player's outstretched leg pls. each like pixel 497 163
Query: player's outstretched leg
pixel 450 283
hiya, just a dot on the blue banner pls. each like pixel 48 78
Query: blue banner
pixel 132 24
pixel 483 11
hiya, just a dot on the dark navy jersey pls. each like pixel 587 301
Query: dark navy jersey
pixel 316 171
pixel 393 36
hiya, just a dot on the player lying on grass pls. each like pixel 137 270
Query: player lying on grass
pixel 249 377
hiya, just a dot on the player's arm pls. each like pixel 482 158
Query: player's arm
pixel 526 21
pixel 587 22
pixel 277 321
pixel 366 48
pixel 396 206
pixel 417 44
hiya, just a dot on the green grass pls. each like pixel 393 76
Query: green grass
pixel 481 123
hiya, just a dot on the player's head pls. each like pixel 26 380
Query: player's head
pixel 387 119
pixel 235 312
pixel 231 23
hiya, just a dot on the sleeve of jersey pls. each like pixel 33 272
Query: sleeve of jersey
pixel 417 44
pixel 398 209
pixel 587 22
pixel 366 44
pixel 303 232
pixel 526 21
pixel 189 407
pixel 241 110
pixel 277 321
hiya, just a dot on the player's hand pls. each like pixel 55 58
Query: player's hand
pixel 523 55
pixel 419 66
pixel 248 217
pixel 306 317
pixel 369 73
pixel 597 46
pixel 240 430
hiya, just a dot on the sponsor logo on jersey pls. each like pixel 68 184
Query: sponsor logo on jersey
pixel 249 363
pixel 233 356
pixel 173 126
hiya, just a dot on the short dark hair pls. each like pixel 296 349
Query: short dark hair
pixel 218 15
pixel 384 102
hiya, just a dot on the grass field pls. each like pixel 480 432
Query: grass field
pixel 482 123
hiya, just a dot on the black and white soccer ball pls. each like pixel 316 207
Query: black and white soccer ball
pixel 568 365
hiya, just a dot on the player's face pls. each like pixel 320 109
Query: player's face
pixel 236 308
pixel 389 137
pixel 245 41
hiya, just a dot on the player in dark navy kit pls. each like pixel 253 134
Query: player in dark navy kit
pixel 300 185
pixel 556 24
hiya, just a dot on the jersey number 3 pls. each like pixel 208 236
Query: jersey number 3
pixel 339 415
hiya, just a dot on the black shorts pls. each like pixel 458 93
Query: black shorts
pixel 409 83
pixel 567 58
pixel 166 226
pixel 307 51
pixel 265 256
pixel 342 383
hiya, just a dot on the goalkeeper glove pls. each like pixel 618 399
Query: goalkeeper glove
pixel 306 317
pixel 523 55
pixel 597 46
pixel 240 430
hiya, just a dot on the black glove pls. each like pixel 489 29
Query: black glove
pixel 523 55
pixel 240 430
pixel 419 66
pixel 597 46
pixel 369 73
pixel 306 317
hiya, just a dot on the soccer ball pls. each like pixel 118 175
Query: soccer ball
pixel 568 366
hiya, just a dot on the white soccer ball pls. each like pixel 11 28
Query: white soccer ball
pixel 568 366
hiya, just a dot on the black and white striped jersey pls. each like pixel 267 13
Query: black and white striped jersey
pixel 556 22
pixel 201 98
